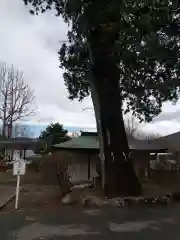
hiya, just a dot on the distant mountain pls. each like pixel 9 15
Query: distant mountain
pixel 34 130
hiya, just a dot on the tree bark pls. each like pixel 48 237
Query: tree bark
pixel 120 175
pixel 95 101
pixel 121 179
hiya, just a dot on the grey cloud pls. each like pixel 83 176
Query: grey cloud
pixel 168 116
pixel 31 44
pixel 170 112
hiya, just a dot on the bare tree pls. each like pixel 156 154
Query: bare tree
pixel 131 126
pixel 17 100
pixel 150 136
pixel 133 130
pixel 75 135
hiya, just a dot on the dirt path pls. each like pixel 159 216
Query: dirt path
pixel 101 223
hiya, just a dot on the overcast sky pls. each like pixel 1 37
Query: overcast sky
pixel 31 44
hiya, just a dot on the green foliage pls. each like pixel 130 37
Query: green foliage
pixel 147 53
pixel 53 134
pixel 55 129
pixel 146 48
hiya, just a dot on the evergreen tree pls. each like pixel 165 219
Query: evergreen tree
pixel 53 134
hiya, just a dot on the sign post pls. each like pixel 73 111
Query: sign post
pixel 17 192
pixel 19 167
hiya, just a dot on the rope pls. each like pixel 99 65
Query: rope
pixel 124 156
pixel 112 154
pixel 130 154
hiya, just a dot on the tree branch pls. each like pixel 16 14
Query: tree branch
pixel 16 98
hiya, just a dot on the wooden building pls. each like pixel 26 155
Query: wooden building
pixel 85 149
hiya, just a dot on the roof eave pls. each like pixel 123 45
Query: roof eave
pixel 97 149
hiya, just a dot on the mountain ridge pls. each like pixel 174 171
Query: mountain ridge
pixel 34 130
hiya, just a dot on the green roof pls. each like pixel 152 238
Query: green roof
pixel 90 141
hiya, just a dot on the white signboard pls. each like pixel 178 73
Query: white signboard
pixel 19 167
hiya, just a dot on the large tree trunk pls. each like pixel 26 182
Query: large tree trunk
pixel 120 175
pixel 95 101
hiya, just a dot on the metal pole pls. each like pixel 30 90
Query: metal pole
pixel 17 192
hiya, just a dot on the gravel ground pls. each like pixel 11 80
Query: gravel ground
pixel 104 222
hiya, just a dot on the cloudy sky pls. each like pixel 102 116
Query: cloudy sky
pixel 31 44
